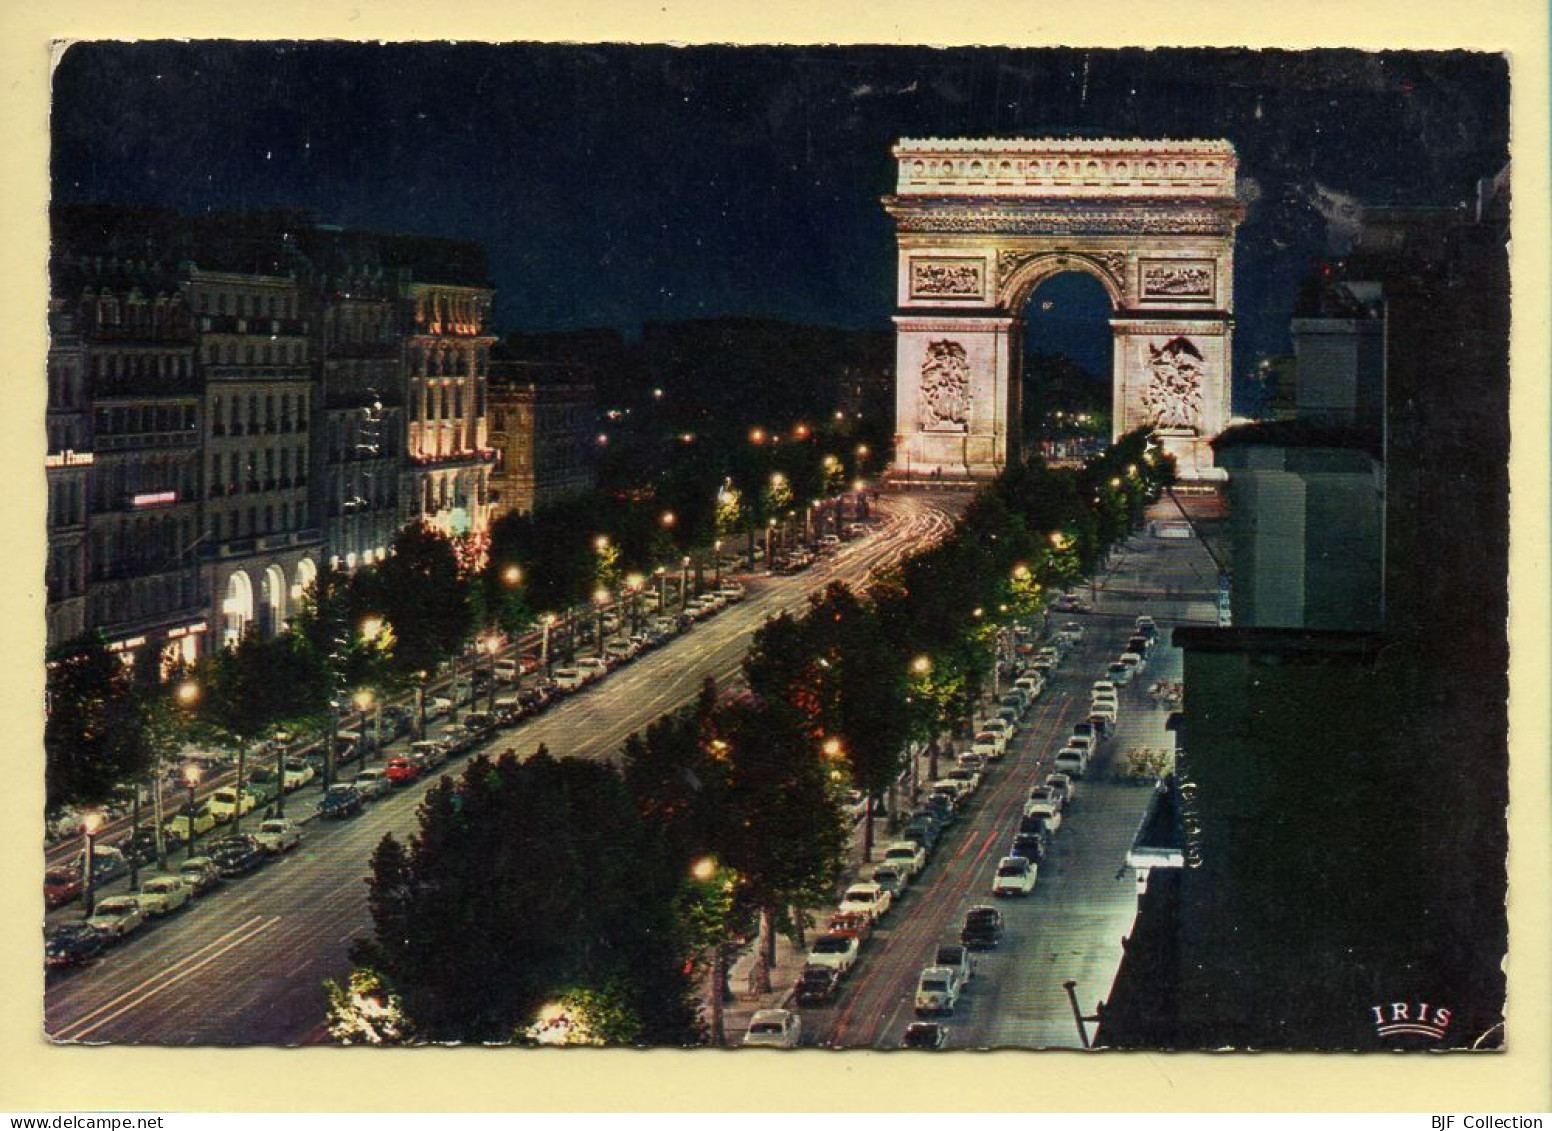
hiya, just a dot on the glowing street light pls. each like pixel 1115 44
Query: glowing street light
pixel 704 870
pixel 1021 572
pixel 668 518
pixel 188 693
pixel 921 665
pixel 832 748
pixel 757 435
pixel 371 627
pixel 89 826
pixel 601 543
pixel 512 575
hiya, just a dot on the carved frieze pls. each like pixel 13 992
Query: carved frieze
pixel 1092 222
pixel 1111 263
pixel 943 402
pixel 948 278
pixel 1179 279
pixel 1173 395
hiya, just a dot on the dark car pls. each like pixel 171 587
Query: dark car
pixel 922 830
pixel 818 985
pixel 139 846
pixel 928 1035
pixel 236 855
pixel 340 801
pixel 74 944
pixel 1031 846
pixel 982 929
pixel 941 808
pixel 1035 825
pixel 480 722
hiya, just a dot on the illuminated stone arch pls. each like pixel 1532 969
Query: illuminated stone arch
pixel 980 224
pixel 237 607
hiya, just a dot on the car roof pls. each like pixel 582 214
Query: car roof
pixel 770 1015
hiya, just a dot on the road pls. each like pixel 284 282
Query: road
pixel 245 965
pixel 1084 901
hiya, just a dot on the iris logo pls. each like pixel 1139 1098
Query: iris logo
pixel 1411 1019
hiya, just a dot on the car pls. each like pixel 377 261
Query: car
pixel 1119 673
pixel 731 591
pixel 1084 729
pixel 1049 811
pixel 479 722
pixel 837 951
pixel 1016 701
pixel 400 771
pixel 982 929
pixel 952 793
pixel 937 991
pixel 1102 722
pixel 851 923
pixel 1146 626
pixel 265 785
pixel 870 899
pixel 970 778
pixel 139 846
pixel 341 801
pixel 1001 725
pixel 970 760
pixel 1133 660
pixel 200 873
pixel 1139 644
pixel 1104 688
pixel 1070 603
pixel 941 809
pixel 958 959
pixel 1070 761
pixel 1044 793
pixel 1031 846
pixel 989 744
pixel 925 1036
pixel 817 985
pixel 236 855
pixel 175 829
pixel 278 835
pixel 438 706
pixel 1032 685
pixel 61 885
pixel 372 784
pixel 226 803
pixel 620 651
pixel 1015 876
pixel 1063 785
pixel 108 864
pixel 73 944
pixel 775 1029
pixel 297 774
pixel 1106 709
pixel 431 753
pixel 507 669
pixel 569 679
pixel 118 916
pixel 1073 631
pixel 1081 742
pixel 891 879
pixel 922 832
pixel 906 855
pixel 592 667
pixel 162 895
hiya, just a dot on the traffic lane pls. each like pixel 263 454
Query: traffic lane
pixel 293 927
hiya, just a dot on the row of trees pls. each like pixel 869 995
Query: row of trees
pixel 520 910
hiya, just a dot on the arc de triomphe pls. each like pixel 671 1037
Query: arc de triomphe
pixel 981 223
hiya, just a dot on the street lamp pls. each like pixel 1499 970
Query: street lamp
pixel 89 826
pixel 366 699
pixel 662 589
pixel 716 562
pixel 600 599
pixel 191 779
pixel 668 518
pixel 188 693
pixel 512 576
pixel 491 642
pixel 547 621
pixel 684 583
pixel 757 435
pixel 633 584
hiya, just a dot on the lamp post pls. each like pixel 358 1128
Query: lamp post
pixel 704 871
pixel 770 554
pixel 684 583
pixel 633 584
pixel 547 621
pixel 492 643
pixel 89 826
pixel 190 779
pixel 716 563
pixel 365 699
pixel 662 590
pixel 600 599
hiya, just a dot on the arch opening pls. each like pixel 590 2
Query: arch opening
pixel 1067 373
pixel 237 608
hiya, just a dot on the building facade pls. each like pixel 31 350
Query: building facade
pixel 543 420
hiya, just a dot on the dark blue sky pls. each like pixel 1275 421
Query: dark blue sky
pixel 615 185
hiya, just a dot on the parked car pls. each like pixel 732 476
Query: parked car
pixel 957 958
pixel 139 846
pixel 236 855
pixel 372 784
pixel 620 651
pixel 989 744
pixel 1133 660
pixel 870 899
pixel 854 923
pixel 926 1036
pixel 1147 627
pixel 1073 631
pixel 970 778
pixel 1015 876
pixel 278 835
pixel 592 667
pixel 431 753
pixel 200 873
pixel 1106 709
pixel 118 916
pixel 479 722
pixel 774 1028
pixel 818 985
pixel 1046 795
pixel 108 864
pixel 162 895
pixel 297 774
pixel 1119 674
pixel 922 830
pixel 175 829
pixel 937 991
pixel 265 785
pixel 1063 785
pixel 400 771
pixel 731 591
pixel 1104 688
pixel 1047 811
pixel 1083 743
pixel 507 669
pixel 61 885
pixel 891 879
pixel 834 950
pixel 226 803
pixel 341 801
pixel 907 855
pixel 1032 685
pixel 1031 846
pixel 1070 761
pixel 569 679
pixel 73 944
pixel 982 929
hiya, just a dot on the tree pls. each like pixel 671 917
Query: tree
pixel 93 738
pixel 424 598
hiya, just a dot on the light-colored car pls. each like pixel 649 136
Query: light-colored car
pixel 1104 687
pixel 1134 660
pixel 971 778
pixel 224 803
pixel 1046 793
pixel 891 879
pixel 837 951
pixel 906 854
pixel 619 650
pixel 118 916
pixel 438 705
pixel 1050 809
pixel 372 783
pixel 569 679
pixel 1070 762
pixel 1109 708
pixel 592 667
pixel 298 774
pixel 278 835
pixel 869 899
pixel 1064 785
pixel 162 895
pixel 731 591
pixel 1030 685
pixel 1083 742
pixel 176 827
pixel 1015 876
pixel 937 991
pixel 774 1029
pixel 201 874
pixel 1002 726
pixel 507 669
pixel 1073 631
pixel 1119 673
pixel 989 744
pixel 954 792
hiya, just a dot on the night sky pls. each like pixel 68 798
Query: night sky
pixel 617 185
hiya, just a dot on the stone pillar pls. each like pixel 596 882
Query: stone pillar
pixel 955 396
pixel 1173 375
